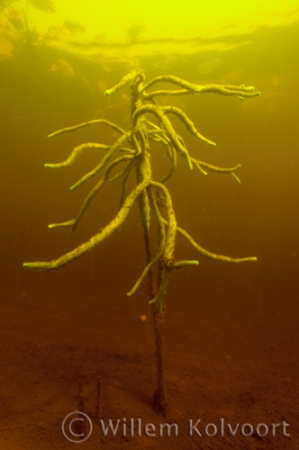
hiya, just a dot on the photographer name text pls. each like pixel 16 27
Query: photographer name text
pixel 194 428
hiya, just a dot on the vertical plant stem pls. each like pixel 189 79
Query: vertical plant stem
pixel 160 402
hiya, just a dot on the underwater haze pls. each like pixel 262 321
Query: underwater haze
pixel 231 330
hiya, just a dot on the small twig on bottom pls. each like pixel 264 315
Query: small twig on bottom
pixel 80 424
pixel 98 399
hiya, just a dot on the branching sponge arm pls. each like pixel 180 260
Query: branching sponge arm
pixel 94 240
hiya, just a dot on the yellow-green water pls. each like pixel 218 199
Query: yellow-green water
pixel 53 75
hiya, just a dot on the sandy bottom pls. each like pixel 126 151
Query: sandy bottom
pixel 224 365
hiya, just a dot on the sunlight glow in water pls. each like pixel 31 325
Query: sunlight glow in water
pixel 143 25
